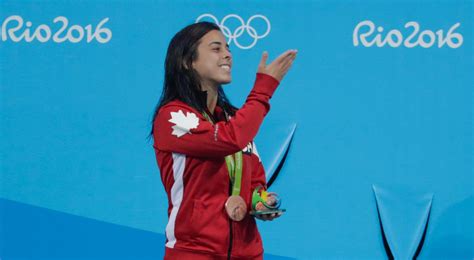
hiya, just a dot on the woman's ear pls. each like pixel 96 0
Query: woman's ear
pixel 186 66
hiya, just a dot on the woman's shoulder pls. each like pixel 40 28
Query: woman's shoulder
pixel 175 106
pixel 173 114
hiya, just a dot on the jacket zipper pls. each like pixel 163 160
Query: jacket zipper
pixel 229 251
pixel 230 240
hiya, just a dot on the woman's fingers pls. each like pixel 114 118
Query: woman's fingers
pixel 287 64
pixel 283 60
pixel 286 55
pixel 263 61
pixel 286 67
pixel 289 59
pixel 278 67
pixel 272 216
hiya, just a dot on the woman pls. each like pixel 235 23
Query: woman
pixel 208 162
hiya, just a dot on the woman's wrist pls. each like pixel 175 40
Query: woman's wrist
pixel 265 84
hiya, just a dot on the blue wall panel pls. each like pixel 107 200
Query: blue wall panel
pixel 75 117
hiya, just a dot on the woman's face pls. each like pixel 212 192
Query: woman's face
pixel 214 62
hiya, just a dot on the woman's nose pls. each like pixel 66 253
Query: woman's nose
pixel 227 54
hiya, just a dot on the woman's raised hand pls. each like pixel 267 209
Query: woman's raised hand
pixel 279 67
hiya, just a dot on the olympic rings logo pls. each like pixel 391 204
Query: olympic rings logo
pixel 240 30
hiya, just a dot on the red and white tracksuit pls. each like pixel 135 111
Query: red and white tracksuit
pixel 190 153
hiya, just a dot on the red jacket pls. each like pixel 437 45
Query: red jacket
pixel 190 153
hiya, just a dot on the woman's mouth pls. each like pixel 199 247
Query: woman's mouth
pixel 226 67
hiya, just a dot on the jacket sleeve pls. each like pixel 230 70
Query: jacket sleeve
pixel 181 129
pixel 258 178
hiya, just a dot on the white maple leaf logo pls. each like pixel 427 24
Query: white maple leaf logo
pixel 183 123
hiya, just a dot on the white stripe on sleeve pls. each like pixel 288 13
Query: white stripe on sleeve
pixel 179 161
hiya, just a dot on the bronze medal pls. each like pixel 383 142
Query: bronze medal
pixel 236 208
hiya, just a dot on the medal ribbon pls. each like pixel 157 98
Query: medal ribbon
pixel 235 171
pixel 234 166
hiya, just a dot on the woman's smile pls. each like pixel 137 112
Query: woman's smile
pixel 213 49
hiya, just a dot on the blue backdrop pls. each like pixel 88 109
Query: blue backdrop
pixel 381 162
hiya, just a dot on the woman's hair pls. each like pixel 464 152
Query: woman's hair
pixel 181 81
